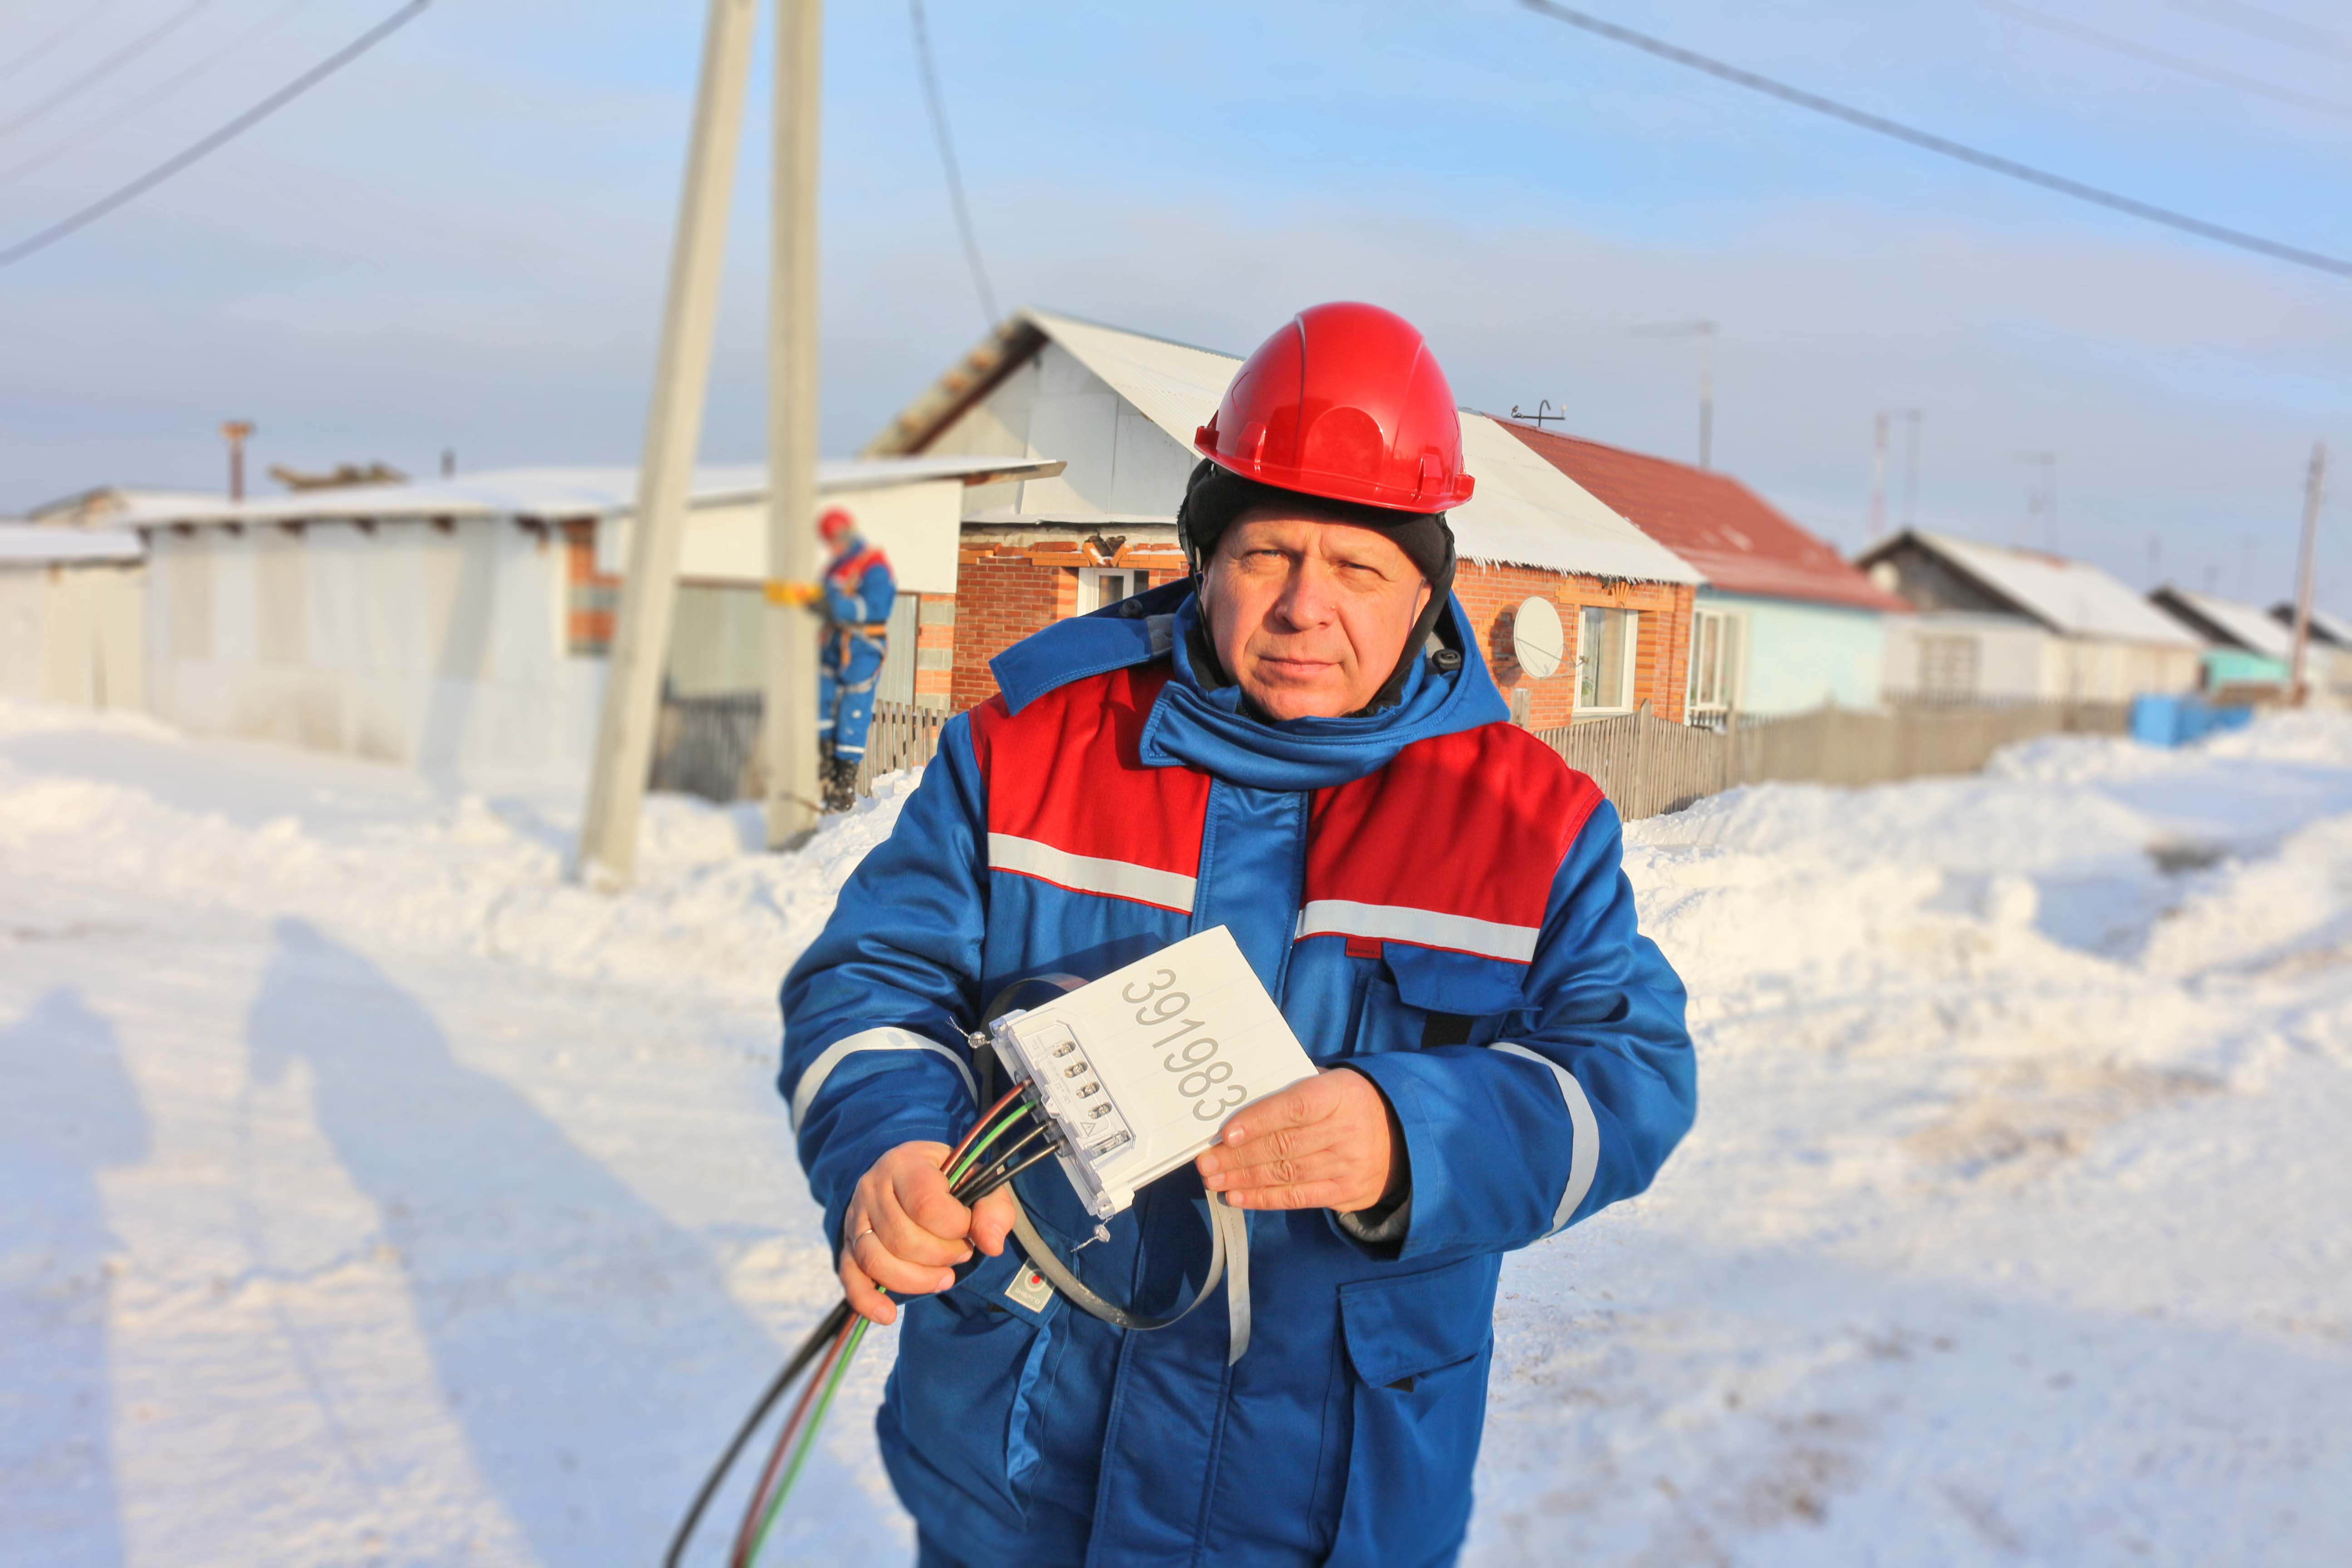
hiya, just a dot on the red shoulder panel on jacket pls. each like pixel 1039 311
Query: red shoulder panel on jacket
pixel 1473 823
pixel 1068 772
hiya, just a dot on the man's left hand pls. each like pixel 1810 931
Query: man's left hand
pixel 1326 1142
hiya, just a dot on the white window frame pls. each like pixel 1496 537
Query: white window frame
pixel 1730 658
pixel 1090 584
pixel 1630 653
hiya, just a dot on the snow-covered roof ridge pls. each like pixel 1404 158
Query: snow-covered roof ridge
pixel 563 493
pixel 2244 625
pixel 1524 512
pixel 40 544
pixel 2073 598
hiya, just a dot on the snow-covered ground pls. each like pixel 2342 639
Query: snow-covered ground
pixel 373 1195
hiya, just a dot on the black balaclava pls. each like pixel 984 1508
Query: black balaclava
pixel 1213 497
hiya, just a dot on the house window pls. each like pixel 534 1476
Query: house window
pixel 1718 660
pixel 1101 585
pixel 1948 667
pixel 1606 642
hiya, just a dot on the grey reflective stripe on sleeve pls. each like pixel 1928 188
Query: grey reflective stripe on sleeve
pixel 1584 1151
pixel 870 1040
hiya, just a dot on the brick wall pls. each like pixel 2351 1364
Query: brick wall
pixel 1662 658
pixel 1003 593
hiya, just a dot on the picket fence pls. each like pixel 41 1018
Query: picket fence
pixel 709 745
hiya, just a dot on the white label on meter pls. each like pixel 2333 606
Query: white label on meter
pixel 1140 1071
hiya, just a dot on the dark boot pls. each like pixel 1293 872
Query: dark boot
pixel 840 783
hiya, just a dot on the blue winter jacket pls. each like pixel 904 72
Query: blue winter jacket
pixel 1434 898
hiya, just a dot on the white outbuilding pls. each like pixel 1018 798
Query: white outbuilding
pixel 72 615
pixel 460 627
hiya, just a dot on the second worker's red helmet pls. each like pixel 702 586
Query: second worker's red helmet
pixel 1346 401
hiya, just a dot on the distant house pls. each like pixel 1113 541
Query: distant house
pixel 72 613
pixel 1579 613
pixel 460 627
pixel 1996 623
pixel 1782 621
pixel 2246 646
pixel 2330 654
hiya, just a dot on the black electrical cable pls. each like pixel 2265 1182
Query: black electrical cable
pixel 1006 1180
pixel 831 1328
pixel 1947 148
pixel 972 1179
pixel 819 1337
pixel 225 133
pixel 948 159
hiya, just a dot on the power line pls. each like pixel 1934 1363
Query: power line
pixel 948 158
pixel 1947 148
pixel 2256 85
pixel 2291 31
pixel 151 96
pixel 107 67
pixel 83 19
pixel 225 133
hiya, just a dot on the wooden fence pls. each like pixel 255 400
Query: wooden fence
pixel 1647 765
pixel 710 746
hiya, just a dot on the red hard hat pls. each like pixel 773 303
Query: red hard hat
pixel 1345 403
pixel 834 521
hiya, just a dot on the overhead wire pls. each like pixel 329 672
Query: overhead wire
pixel 1943 145
pixel 948 159
pixel 105 67
pixel 83 16
pixel 2257 22
pixel 2182 63
pixel 218 138
pixel 151 96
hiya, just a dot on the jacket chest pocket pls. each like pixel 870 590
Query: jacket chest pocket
pixel 1415 998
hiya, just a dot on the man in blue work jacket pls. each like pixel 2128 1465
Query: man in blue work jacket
pixel 1300 745
pixel 859 590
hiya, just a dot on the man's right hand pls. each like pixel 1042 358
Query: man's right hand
pixel 906 1231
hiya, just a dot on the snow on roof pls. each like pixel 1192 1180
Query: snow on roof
pixel 562 492
pixel 2073 598
pixel 1523 512
pixel 2229 620
pixel 1729 532
pixel 37 544
pixel 2325 626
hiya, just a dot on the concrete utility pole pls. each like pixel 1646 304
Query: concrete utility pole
pixel 617 787
pixel 2313 487
pixel 236 430
pixel 789 735
pixel 1705 332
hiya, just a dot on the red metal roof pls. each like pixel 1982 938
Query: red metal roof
pixel 1728 531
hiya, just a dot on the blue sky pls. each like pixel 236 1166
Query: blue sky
pixel 461 241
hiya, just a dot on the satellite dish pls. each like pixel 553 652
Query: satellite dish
pixel 1537 640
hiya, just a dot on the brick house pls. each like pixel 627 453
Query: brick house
pixel 1783 622
pixel 1578 612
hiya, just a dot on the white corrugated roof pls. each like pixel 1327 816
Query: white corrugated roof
pixel 32 543
pixel 2242 624
pixel 2072 597
pixel 1523 512
pixel 558 492
pixel 2325 626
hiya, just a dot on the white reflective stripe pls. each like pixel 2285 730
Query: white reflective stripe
pixel 870 1040
pixel 1424 928
pixel 1584 1152
pixel 1086 874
